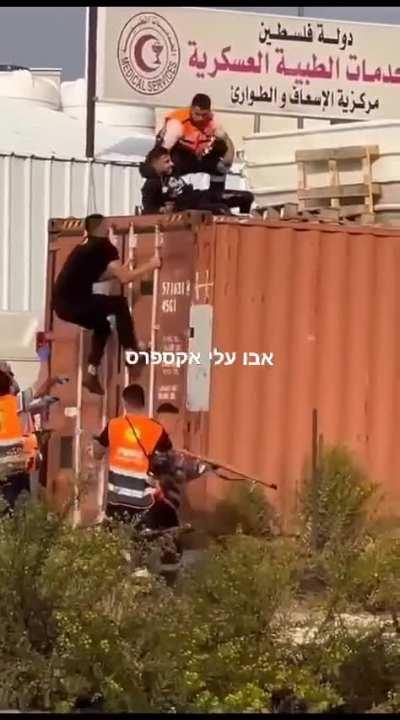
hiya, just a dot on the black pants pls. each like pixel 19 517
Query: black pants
pixel 160 517
pixel 241 199
pixel 186 162
pixel 92 314
pixel 206 200
pixel 12 487
pixel 202 200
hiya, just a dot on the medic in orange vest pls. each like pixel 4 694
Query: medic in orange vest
pixel 14 475
pixel 198 143
pixel 19 448
pixel 131 441
pixel 11 431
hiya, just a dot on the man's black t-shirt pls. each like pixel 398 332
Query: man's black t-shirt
pixel 84 266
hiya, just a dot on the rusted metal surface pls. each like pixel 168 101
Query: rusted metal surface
pixel 326 301
pixel 322 298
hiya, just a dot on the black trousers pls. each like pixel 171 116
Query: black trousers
pixel 159 517
pixel 202 200
pixel 186 162
pixel 206 200
pixel 242 199
pixel 92 314
pixel 12 487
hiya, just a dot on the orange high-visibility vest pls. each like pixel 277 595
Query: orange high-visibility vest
pixel 129 482
pixel 194 139
pixel 11 432
pixel 11 435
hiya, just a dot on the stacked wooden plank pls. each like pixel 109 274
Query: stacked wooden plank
pixel 334 201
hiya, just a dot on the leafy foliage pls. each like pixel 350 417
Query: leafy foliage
pixel 77 621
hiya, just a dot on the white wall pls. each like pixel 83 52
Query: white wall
pixel 271 166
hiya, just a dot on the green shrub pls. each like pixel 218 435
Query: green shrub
pixel 76 621
pixel 361 666
pixel 336 510
pixel 335 505
pixel 238 654
pixel 376 576
pixel 246 509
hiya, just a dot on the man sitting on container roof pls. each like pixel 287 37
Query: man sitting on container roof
pixel 198 143
pixel 162 192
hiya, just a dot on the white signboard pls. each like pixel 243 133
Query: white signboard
pixel 248 62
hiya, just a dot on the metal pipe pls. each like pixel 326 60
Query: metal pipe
pixel 154 327
pixel 91 80
pixel 78 432
pixel 315 468
pixel 132 246
pixel 300 120
pixel 103 469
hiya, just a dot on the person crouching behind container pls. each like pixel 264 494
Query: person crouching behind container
pixel 131 440
pixel 14 473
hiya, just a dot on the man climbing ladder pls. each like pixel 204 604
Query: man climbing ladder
pixel 95 260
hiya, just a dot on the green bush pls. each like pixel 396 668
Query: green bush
pixel 360 665
pixel 376 577
pixel 335 505
pixel 246 509
pixel 238 655
pixel 76 621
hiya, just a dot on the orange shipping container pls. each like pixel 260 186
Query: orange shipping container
pixel 322 299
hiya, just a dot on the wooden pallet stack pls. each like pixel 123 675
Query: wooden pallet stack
pixel 334 201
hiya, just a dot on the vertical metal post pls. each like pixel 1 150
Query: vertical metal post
pixel 300 120
pixel 132 245
pixel 103 471
pixel 314 480
pixel 257 123
pixel 78 433
pixel 91 71
pixel 154 327
pixel 102 474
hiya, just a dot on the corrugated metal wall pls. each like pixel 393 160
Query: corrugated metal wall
pixel 33 190
pixel 326 301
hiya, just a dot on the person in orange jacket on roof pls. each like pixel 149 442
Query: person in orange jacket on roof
pixel 198 143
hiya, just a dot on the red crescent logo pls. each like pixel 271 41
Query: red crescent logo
pixel 138 53
pixel 148 53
